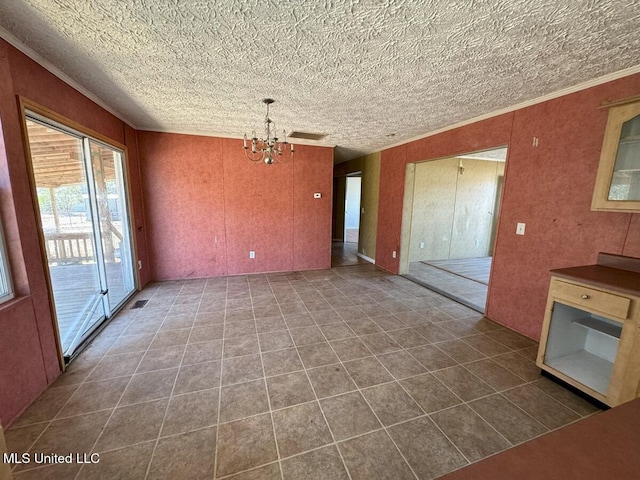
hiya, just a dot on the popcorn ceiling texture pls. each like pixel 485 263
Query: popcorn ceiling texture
pixel 357 70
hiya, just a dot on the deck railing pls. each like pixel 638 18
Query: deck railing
pixel 74 247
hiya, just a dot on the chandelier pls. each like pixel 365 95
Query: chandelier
pixel 268 148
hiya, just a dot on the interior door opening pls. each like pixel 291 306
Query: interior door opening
pixel 450 223
pixel 83 212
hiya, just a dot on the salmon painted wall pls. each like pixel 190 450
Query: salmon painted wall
pixel 30 363
pixel 207 206
pixel 548 187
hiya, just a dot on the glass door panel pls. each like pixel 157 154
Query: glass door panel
pixel 60 175
pixel 112 214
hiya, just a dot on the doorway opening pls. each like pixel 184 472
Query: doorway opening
pixel 450 220
pixel 83 211
pixel 347 197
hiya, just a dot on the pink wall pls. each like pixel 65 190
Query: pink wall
pixel 30 363
pixel 207 206
pixel 549 188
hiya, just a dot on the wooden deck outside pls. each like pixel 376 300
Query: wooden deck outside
pixel 75 286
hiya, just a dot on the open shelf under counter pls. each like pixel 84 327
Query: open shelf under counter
pixel 591 330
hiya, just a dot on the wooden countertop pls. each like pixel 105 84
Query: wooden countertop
pixel 615 279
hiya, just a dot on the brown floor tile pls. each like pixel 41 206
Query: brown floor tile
pixel 170 338
pixel 380 343
pixel 243 400
pixel 265 311
pixel 363 326
pixel 149 386
pixel 191 412
pixel 94 396
pixel 374 456
pixel 391 403
pixel 433 333
pixel 270 324
pixel 46 407
pixel 70 435
pixel 407 338
pixel 239 315
pixel 201 376
pixel 317 355
pixel 413 319
pixel 326 317
pixel 161 359
pixel 293 308
pixel 324 463
pixel 77 371
pixel 566 397
pixel 389 323
pixel 51 472
pixel 430 393
pixel 350 349
pixel 266 472
pixel 116 366
pixel 471 434
pixel 541 406
pixel 307 335
pixel 493 374
pixel 241 369
pixel 190 455
pixel 209 317
pixel 484 344
pixel 202 352
pixel 330 380
pixel 530 353
pixel 129 463
pixel 245 444
pixel 19 439
pixel 349 415
pixel 239 346
pixel 337 331
pixel 206 333
pixel 289 389
pixel 239 329
pixel 282 361
pixel 511 339
pixel 463 383
pixel 177 323
pixel 131 344
pixel 350 313
pixel 460 351
pixel 367 372
pixel 432 358
pixel 299 320
pixel 429 459
pixel 132 424
pixel 515 425
pixel 401 364
pixel 300 428
pixel 275 341
pixel 525 369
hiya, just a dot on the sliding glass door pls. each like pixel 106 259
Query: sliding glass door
pixel 83 209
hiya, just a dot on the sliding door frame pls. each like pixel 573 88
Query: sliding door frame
pixel 27 106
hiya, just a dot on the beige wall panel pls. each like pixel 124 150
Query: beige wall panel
pixel 369 202
pixel 433 208
pixel 475 202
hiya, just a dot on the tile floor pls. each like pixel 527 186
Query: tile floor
pixel 466 291
pixel 348 373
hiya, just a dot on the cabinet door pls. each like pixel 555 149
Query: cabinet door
pixel 618 180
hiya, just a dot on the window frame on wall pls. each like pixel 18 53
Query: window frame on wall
pixel 6 283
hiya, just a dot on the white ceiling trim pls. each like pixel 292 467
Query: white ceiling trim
pixel 560 93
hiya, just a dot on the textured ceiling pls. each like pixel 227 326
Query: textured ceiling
pixel 356 70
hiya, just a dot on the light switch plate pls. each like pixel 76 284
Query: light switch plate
pixel 520 228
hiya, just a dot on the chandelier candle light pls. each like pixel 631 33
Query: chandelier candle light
pixel 265 149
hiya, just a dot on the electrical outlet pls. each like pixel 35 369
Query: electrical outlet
pixel 252 254
pixel 520 228
pixel 421 244
pixel 393 254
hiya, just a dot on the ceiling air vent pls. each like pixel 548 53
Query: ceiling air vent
pixel 307 135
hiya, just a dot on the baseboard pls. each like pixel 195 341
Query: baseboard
pixel 364 257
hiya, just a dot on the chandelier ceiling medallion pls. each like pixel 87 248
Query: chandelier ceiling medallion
pixel 270 147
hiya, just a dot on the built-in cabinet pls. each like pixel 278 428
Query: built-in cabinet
pixel 591 331
pixel 618 180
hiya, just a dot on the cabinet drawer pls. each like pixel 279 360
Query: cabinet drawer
pixel 591 299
